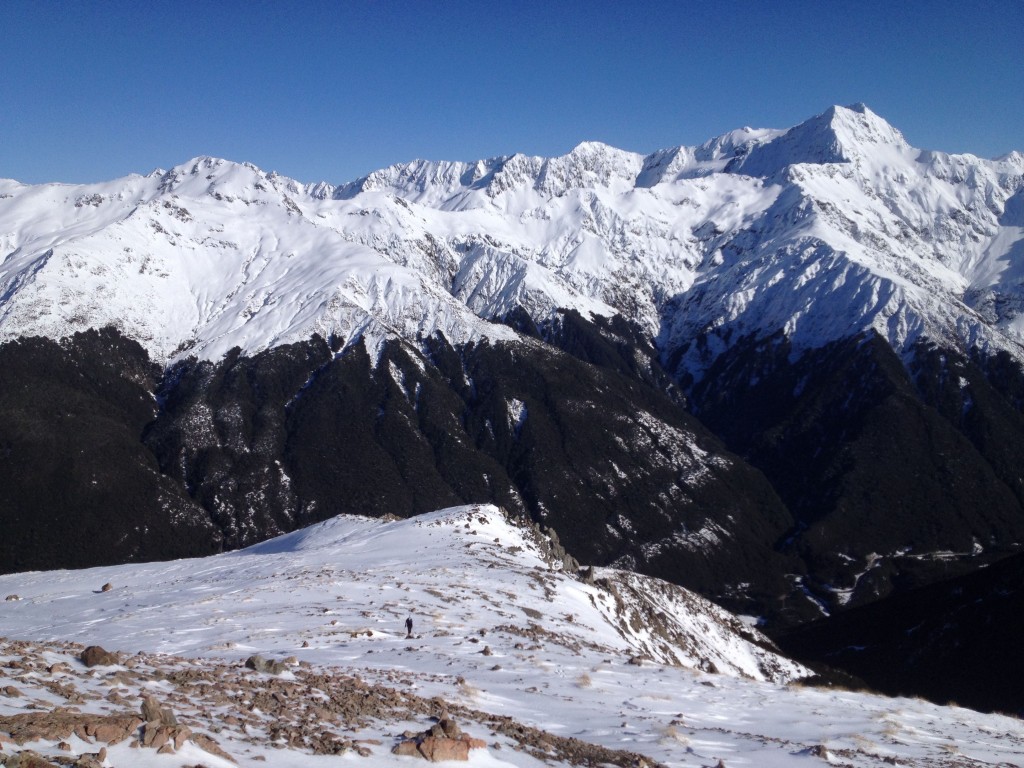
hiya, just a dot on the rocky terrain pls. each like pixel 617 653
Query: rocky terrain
pixel 76 710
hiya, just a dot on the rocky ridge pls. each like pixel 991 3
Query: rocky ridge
pixel 223 714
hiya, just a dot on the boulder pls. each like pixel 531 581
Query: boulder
pixel 152 712
pixel 112 729
pixel 94 656
pixel 269 666
pixel 408 748
pixel 437 749
pixel 28 759
pixel 442 741
pixel 207 744
pixel 450 728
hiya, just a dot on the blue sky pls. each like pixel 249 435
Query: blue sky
pixel 332 90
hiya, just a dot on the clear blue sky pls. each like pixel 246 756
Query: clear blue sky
pixel 332 90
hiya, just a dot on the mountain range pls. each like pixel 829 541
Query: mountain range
pixel 782 368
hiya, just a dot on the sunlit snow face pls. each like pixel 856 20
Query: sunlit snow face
pixel 826 230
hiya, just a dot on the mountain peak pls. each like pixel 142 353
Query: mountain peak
pixel 837 135
pixel 589 163
pixel 857 123
pixel 592 147
pixel 204 175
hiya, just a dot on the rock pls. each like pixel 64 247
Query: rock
pixel 207 744
pixel 442 741
pixel 408 748
pixel 106 587
pixel 153 712
pixel 94 656
pixel 157 736
pixel 269 666
pixel 12 598
pixel 91 760
pixel 450 728
pixel 11 691
pixel 28 759
pixel 112 730
pixel 436 750
pixel 58 726
pixel 181 735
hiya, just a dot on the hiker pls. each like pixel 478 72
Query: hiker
pixel 408 627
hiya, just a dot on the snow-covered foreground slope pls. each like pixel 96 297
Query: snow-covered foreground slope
pixel 499 632
pixel 829 229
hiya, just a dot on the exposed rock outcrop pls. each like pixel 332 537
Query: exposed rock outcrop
pixel 94 656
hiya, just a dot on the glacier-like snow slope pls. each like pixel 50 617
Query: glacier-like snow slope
pixel 828 229
pixel 557 654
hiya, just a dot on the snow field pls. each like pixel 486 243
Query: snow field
pixel 496 630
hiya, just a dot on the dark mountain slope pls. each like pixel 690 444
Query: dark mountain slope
pixel 955 640
pixel 594 451
pixel 877 478
pixel 77 485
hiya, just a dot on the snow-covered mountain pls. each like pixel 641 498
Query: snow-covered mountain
pixel 541 666
pixel 783 368
pixel 831 228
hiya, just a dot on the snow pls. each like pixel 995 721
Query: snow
pixel 831 228
pixel 559 648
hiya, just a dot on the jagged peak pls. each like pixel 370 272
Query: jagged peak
pixel 588 163
pixel 417 176
pixel 734 143
pixel 591 152
pixel 202 163
pixel 664 165
pixel 592 147
pixel 837 135
pixel 1014 159
pixel 858 123
pixel 214 175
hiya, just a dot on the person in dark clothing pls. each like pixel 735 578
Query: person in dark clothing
pixel 408 627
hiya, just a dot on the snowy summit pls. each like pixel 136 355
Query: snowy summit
pixel 830 228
